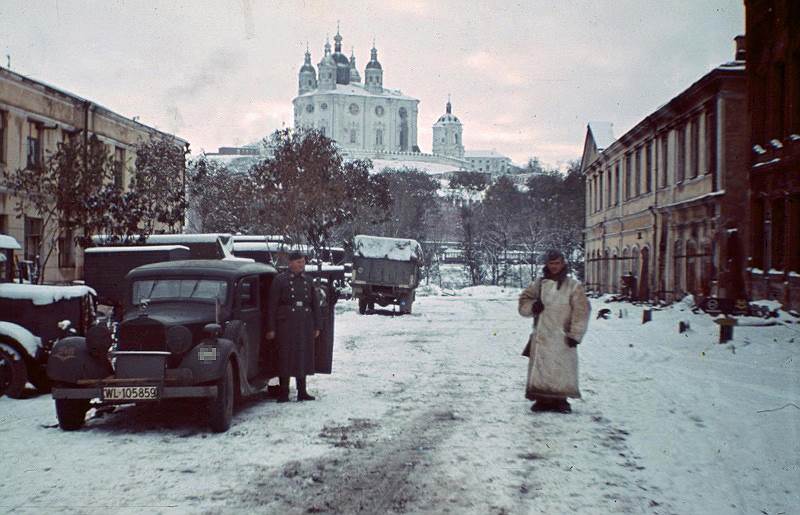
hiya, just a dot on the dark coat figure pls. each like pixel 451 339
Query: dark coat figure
pixel 294 317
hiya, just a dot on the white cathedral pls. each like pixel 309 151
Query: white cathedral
pixel 368 120
pixel 361 117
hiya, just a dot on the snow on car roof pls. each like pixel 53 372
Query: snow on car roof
pixel 40 294
pixel 396 249
pixel 137 248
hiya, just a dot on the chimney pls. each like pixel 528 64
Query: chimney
pixel 740 47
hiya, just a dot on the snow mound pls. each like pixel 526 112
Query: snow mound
pixel 428 290
pixel 395 249
pixel 41 295
pixel 489 292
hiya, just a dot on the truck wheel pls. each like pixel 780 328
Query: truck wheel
pixel 13 373
pixel 220 408
pixel 362 306
pixel 71 413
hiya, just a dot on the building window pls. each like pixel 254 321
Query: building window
pixel 353 136
pixel 711 141
pixel 628 171
pixel 600 191
pixel 638 172
pixel 617 184
pixel 648 168
pixel 779 99
pixel 680 169
pixel 608 188
pixel 695 148
pixel 119 167
pixel 665 160
pixel 66 250
pixel 2 136
pixel 777 235
pixel 34 145
pixel 33 237
pixel 379 137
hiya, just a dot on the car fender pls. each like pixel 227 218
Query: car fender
pixel 18 341
pixel 70 361
pixel 207 359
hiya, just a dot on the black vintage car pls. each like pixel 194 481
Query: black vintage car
pixel 189 329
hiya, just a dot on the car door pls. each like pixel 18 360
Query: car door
pixel 248 310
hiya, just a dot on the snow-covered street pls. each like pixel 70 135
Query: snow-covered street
pixel 426 414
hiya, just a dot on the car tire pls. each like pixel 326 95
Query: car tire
pixel 6 362
pixel 220 408
pixel 16 373
pixel 71 413
pixel 362 306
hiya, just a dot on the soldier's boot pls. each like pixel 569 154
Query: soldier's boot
pixel 302 393
pixel 283 392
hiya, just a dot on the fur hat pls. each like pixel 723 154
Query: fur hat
pixel 294 256
pixel 552 255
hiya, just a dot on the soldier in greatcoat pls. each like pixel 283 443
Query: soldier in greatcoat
pixel 561 316
pixel 294 322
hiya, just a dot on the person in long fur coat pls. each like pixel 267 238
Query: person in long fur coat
pixel 561 310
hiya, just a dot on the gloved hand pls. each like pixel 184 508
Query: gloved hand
pixel 572 342
pixel 537 307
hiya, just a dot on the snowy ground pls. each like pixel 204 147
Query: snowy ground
pixel 425 414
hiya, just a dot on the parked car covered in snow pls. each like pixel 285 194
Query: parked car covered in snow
pixel 32 318
pixel 189 329
pixel 385 271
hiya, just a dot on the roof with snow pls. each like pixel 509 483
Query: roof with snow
pixel 472 154
pixel 40 294
pixel 395 249
pixel 603 134
pixel 357 90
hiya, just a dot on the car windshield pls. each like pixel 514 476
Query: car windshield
pixel 171 289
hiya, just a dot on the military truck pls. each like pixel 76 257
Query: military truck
pixel 32 318
pixel 385 271
pixel 190 329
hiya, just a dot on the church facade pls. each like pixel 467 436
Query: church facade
pixel 359 116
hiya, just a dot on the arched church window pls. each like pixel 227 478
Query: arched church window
pixel 456 138
pixel 353 136
pixel 379 137
pixel 379 110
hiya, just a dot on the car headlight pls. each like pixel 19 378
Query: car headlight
pixel 179 339
pixel 98 340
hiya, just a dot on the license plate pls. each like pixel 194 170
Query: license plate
pixel 130 393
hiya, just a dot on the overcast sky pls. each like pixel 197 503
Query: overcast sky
pixel 525 76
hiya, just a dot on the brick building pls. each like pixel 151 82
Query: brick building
pixel 773 75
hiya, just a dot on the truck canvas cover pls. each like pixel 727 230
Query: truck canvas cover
pixel 394 249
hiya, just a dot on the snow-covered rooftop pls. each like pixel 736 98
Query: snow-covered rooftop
pixel 42 295
pixel 603 134
pixel 378 165
pixel 396 249
pixel 134 248
pixel 358 90
pixel 472 154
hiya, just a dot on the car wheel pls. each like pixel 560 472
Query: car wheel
pixel 362 306
pixel 14 373
pixel 220 408
pixel 71 413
